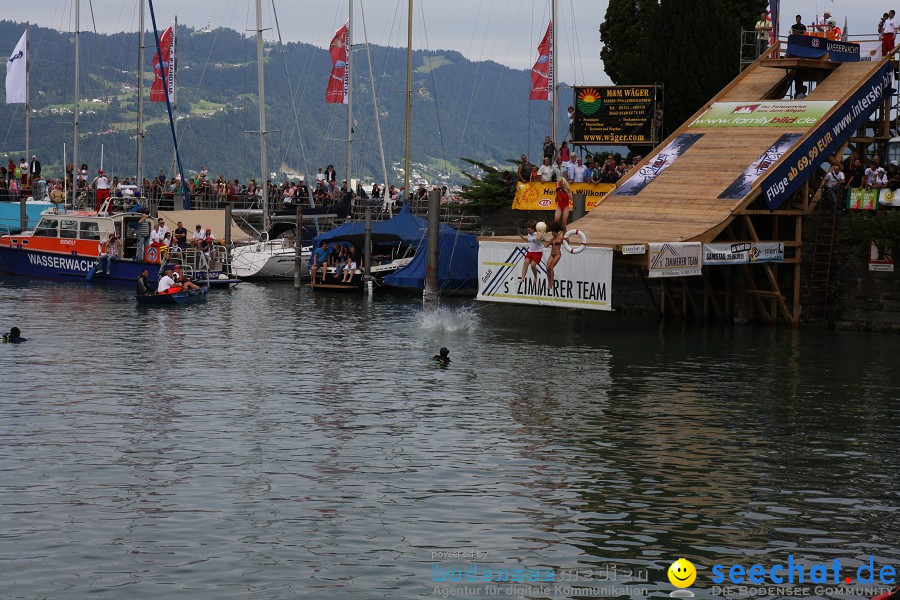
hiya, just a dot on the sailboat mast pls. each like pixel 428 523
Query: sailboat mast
pixel 262 116
pixel 374 98
pixel 409 29
pixel 27 97
pixel 554 98
pixel 350 99
pixel 75 169
pixel 140 100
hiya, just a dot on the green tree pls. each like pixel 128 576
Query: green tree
pixel 692 48
pixel 495 189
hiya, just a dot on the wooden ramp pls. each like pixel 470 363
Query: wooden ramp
pixel 682 203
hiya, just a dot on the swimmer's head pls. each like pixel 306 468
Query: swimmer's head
pixel 445 352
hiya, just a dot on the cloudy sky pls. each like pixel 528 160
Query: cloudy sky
pixel 506 31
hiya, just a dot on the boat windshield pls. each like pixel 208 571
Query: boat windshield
pixel 46 228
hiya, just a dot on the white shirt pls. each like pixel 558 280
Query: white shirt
pixel 155 236
pixel 320 177
pixel 534 243
pixel 546 172
pixel 580 171
pixel 833 180
pixel 102 182
pixel 198 235
pixel 890 26
pixel 165 282
pixel 569 169
pixel 163 230
pixel 871 176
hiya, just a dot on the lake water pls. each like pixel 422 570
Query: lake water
pixel 273 443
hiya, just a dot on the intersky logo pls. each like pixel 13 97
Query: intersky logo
pixel 16 56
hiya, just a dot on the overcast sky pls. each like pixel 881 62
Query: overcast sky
pixel 506 31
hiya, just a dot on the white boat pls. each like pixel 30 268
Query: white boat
pixel 269 259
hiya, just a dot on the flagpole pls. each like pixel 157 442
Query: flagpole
pixel 23 209
pixel 172 53
pixel 349 78
pixel 262 117
pixel 75 169
pixel 140 103
pixel 554 99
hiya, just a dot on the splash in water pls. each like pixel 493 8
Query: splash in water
pixel 449 319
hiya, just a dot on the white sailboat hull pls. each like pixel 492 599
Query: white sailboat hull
pixel 268 260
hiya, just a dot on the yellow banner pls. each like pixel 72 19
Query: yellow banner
pixel 542 196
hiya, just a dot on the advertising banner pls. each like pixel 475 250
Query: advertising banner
pixel 741 186
pixel 766 252
pixel 675 259
pixel 338 91
pixel 870 51
pixel 726 254
pixel 164 74
pixel 806 46
pixel 880 258
pixel 775 113
pixel 806 156
pixel 542 71
pixel 542 196
pixel 661 161
pixel 888 197
pixel 581 280
pixel 614 115
pixel 863 199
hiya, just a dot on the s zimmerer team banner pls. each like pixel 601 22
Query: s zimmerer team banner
pixel 538 195
pixel 582 280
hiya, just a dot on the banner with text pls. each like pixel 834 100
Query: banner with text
pixel 542 196
pixel 777 113
pixel 614 115
pixel 807 46
pixel 581 280
pixel 796 166
pixel 675 259
pixel 863 199
pixel 881 258
pixel 657 164
pixel 163 70
pixel 741 186
pixel 742 253
pixel 338 90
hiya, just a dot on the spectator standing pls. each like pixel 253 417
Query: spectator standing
pixel 569 169
pixel 581 173
pixel 23 171
pixel 571 113
pixel 564 152
pixel 834 185
pixel 549 148
pixel 35 168
pixel 889 28
pixel 798 28
pixel 102 184
pixel 547 172
pixel 143 233
pixel 801 93
pixel 181 236
pixel 857 175
pixel 524 169
pixel 763 29
pixel 330 174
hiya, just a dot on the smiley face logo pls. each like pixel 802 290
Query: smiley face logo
pixel 682 573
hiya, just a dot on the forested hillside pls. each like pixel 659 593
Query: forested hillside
pixel 460 108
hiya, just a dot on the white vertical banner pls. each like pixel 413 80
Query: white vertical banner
pixel 582 280
pixel 16 67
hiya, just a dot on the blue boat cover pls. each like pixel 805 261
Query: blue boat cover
pixel 457 264
pixel 405 225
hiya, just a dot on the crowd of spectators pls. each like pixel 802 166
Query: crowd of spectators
pixel 591 168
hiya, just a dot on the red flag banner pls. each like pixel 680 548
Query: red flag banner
pixel 542 71
pixel 164 70
pixel 339 81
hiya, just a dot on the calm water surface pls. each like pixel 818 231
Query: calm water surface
pixel 276 444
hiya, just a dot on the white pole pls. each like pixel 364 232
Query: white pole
pixel 554 129
pixel 350 100
pixel 23 209
pixel 262 115
pixel 66 181
pixel 140 103
pixel 101 157
pixel 75 169
pixel 375 102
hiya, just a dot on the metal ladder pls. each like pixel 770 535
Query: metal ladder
pixel 823 251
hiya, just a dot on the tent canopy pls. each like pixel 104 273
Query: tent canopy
pixel 405 225
pixel 213 219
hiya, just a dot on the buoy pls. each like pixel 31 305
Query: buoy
pixel 576 249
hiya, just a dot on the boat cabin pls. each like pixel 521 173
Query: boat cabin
pixel 78 232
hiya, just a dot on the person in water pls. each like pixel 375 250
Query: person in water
pixel 443 358
pixel 13 337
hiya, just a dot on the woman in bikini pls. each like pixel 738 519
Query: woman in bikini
pixel 557 232
pixel 563 202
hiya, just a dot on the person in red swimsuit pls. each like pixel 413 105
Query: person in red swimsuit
pixel 563 202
